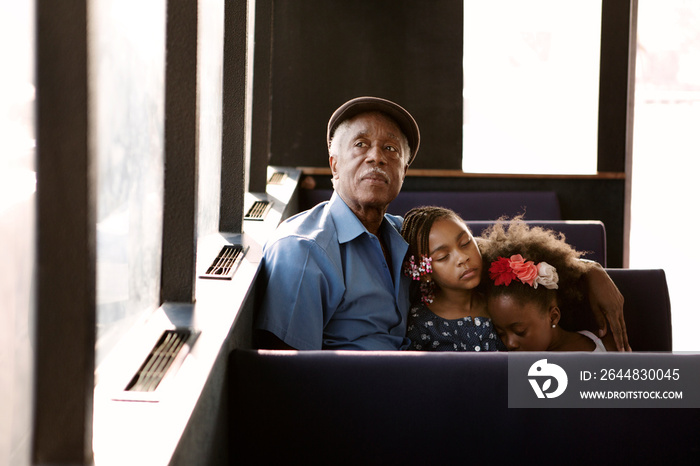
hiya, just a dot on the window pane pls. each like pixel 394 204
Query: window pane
pixel 127 39
pixel 17 211
pixel 531 72
pixel 210 56
pixel 666 147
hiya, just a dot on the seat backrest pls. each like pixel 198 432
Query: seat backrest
pixel 584 235
pixel 477 205
pixel 483 205
pixel 647 308
pixel 360 408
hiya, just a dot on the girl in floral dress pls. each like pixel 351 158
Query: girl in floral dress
pixel 447 312
pixel 531 275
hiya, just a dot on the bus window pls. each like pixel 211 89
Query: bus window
pixel 531 72
pixel 128 63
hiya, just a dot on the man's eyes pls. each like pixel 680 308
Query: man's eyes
pixel 365 144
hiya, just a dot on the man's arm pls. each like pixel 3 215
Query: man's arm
pixel 292 309
pixel 268 340
pixel 606 304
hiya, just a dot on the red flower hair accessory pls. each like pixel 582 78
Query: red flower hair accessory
pixel 501 273
pixel 504 271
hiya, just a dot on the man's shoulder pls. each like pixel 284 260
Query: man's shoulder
pixel 320 225
pixel 315 225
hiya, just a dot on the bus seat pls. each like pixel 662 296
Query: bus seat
pixel 403 407
pixel 477 205
pixel 386 408
pixel 584 235
pixel 647 308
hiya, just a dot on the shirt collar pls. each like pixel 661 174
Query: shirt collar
pixel 350 227
pixel 346 222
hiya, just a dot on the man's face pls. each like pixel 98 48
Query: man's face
pixel 368 161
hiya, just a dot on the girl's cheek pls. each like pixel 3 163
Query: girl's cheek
pixel 437 271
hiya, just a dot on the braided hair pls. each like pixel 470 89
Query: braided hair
pixel 416 228
pixel 417 225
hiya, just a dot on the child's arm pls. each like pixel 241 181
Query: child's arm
pixel 607 302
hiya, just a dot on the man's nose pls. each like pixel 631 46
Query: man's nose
pixel 376 154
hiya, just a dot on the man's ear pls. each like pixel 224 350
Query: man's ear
pixel 333 162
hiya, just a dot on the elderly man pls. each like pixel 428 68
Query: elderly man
pixel 333 272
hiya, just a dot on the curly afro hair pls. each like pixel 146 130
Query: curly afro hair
pixel 507 238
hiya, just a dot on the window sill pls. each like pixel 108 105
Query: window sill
pixel 153 430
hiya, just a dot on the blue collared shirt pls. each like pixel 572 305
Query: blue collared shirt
pixel 329 286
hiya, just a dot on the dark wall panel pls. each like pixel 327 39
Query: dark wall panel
pixel 181 154
pixel 233 118
pixel 614 82
pixel 66 240
pixel 615 77
pixel 328 51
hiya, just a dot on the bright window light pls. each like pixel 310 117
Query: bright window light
pixel 531 72
pixel 127 78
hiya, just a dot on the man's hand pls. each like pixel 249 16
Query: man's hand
pixel 606 304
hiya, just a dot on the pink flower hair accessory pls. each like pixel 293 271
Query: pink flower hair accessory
pixel 504 270
pixel 415 271
pixel 424 268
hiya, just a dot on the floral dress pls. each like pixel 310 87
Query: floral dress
pixel 430 332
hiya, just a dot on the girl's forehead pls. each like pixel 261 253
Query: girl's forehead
pixel 448 224
pixel 510 303
pixel 444 231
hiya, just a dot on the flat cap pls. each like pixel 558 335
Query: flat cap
pixel 400 115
